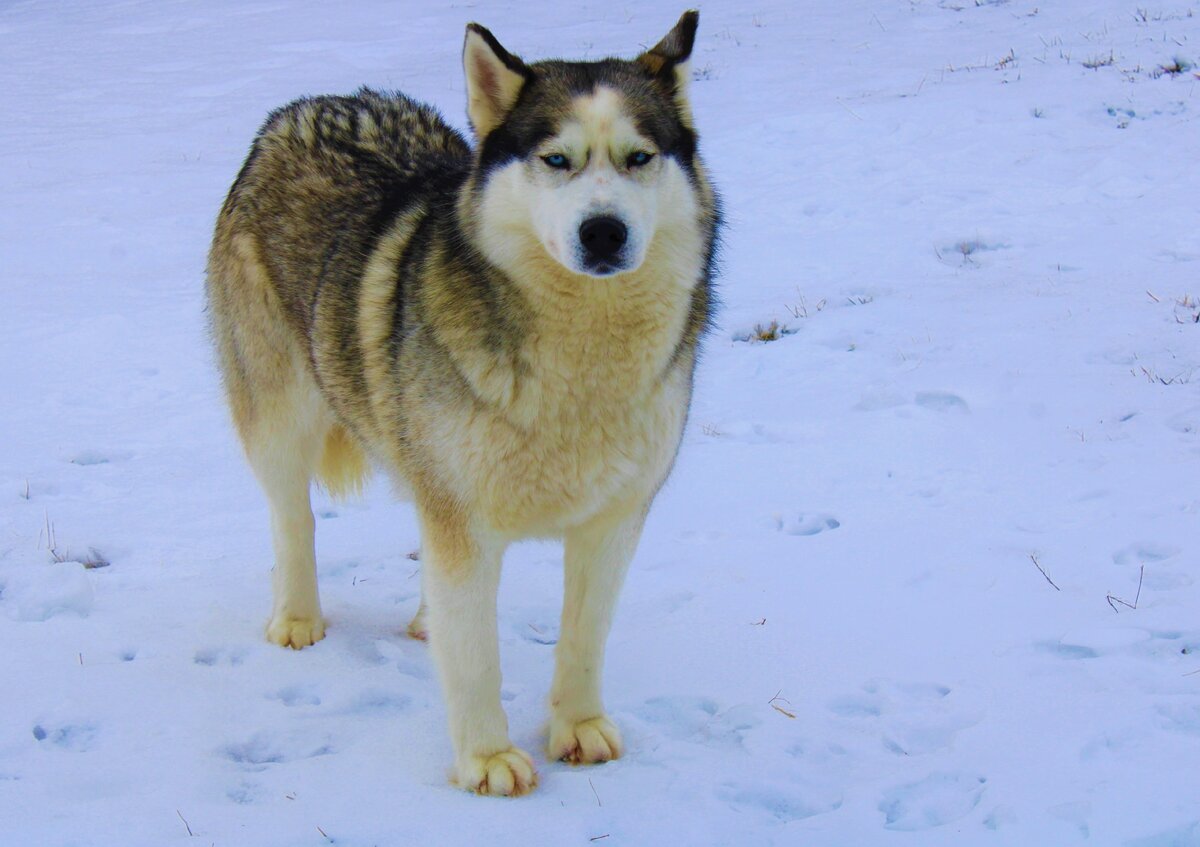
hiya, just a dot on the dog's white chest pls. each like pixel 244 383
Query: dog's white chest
pixel 583 451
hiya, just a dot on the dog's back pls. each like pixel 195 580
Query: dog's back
pixel 324 179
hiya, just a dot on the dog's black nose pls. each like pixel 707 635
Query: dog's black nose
pixel 602 237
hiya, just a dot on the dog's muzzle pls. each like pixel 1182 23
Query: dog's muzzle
pixel 602 239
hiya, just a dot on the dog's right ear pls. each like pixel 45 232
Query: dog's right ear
pixel 494 79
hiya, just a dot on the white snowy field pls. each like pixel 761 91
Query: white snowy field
pixel 926 572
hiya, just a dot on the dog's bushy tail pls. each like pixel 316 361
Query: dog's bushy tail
pixel 343 470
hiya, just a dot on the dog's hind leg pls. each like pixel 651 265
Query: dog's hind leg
pixel 284 460
pixel 281 418
pixel 597 556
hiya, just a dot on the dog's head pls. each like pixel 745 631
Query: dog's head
pixel 583 161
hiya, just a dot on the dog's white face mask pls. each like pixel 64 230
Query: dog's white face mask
pixel 581 179
pixel 593 195
pixel 593 189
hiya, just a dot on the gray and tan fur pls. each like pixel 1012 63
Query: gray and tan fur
pixel 510 331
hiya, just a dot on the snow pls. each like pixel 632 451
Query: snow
pixel 873 604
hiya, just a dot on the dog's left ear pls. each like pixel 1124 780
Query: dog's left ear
pixel 494 79
pixel 668 61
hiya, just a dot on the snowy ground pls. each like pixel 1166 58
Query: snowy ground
pixel 977 222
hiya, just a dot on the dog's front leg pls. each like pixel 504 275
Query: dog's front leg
pixel 462 573
pixel 597 556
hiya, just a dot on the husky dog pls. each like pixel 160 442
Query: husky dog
pixel 510 331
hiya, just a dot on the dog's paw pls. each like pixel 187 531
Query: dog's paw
pixel 509 773
pixel 296 633
pixel 418 628
pixel 586 742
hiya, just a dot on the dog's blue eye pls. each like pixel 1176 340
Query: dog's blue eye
pixel 556 160
pixel 641 157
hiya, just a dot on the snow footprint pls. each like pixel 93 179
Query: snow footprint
pixel 269 748
pixel 1187 835
pixel 940 401
pixel 537 627
pixel 943 402
pixel 212 656
pixel 74 738
pixel 938 799
pixel 1143 554
pixel 806 523
pixel 697 719
pixel 246 793
pixel 1180 717
pixel 784 802
pixel 376 701
pixel 296 695
pixel 86 458
pixel 49 591
pixel 409 656
pixel 1095 641
pixel 910 718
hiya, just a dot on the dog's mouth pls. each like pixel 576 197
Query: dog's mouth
pixel 603 269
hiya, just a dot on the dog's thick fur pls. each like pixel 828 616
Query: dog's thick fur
pixel 382 293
